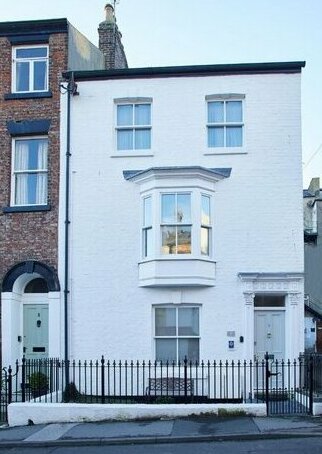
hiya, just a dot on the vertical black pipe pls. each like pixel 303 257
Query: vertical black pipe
pixel 70 89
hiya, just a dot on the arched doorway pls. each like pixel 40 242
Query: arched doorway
pixel 30 312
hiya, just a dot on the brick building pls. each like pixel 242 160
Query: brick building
pixel 33 55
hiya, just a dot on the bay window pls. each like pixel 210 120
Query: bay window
pixel 177 216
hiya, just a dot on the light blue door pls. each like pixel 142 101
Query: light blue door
pixel 35 330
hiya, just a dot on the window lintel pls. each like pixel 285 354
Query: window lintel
pixel 224 96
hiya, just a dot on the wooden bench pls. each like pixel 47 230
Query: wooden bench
pixel 169 386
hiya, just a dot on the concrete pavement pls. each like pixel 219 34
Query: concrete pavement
pixel 192 429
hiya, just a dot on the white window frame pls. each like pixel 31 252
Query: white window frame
pixel 33 171
pixel 226 124
pixel 176 224
pixel 177 336
pixel 31 61
pixel 206 226
pixel 133 127
pixel 195 223
pixel 146 227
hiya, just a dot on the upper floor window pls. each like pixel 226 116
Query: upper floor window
pixel 184 224
pixel 176 223
pixel 30 173
pixel 133 126
pixel 147 226
pixel 225 123
pixel 30 69
pixel 205 233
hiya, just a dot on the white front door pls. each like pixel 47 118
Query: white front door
pixel 35 330
pixel 269 334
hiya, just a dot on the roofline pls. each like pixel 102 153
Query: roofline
pixel 33 26
pixel 192 71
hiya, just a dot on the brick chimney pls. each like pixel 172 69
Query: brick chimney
pixel 110 41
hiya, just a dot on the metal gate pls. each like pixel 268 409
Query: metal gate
pixel 289 386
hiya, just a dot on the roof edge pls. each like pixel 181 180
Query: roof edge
pixel 193 70
pixel 33 26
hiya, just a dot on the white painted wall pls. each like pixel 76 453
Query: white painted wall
pixel 257 219
pixel 19 414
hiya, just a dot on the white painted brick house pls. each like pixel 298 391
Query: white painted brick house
pixel 186 233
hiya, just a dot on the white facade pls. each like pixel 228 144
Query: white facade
pixel 255 233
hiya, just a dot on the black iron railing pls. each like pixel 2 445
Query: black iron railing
pixel 284 386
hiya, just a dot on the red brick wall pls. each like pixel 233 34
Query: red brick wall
pixel 30 236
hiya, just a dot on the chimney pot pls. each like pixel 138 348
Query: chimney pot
pixel 109 13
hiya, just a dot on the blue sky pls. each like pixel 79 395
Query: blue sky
pixel 180 32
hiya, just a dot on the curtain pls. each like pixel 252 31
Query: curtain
pixel 41 188
pixel 21 164
pixel 142 139
pixel 234 136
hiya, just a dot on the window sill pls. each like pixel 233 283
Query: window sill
pixel 29 95
pixel 128 154
pixel 26 208
pixel 169 272
pixel 224 151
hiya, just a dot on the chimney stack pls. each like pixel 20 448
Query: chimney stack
pixel 110 43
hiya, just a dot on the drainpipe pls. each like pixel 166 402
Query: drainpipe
pixel 71 90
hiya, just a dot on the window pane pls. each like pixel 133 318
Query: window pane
pixel 204 241
pixel 183 208
pixel 168 208
pixel 205 210
pixel 188 320
pixel 31 189
pixel 40 75
pixel 234 136
pixel 168 240
pixel 216 137
pixel 234 111
pixel 142 114
pixel 142 139
pixel 184 240
pixel 147 215
pixel 189 348
pixel 125 139
pixel 215 112
pixel 165 321
pixel 147 242
pixel 32 52
pixel 22 76
pixel 125 115
pixel 165 350
pixel 31 154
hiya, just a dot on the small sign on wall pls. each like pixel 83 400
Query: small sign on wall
pixel 231 344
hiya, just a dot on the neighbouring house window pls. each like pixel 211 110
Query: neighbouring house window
pixel 133 126
pixel 30 172
pixel 147 226
pixel 30 68
pixel 177 333
pixel 225 123
pixel 205 234
pixel 176 223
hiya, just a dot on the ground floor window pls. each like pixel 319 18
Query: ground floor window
pixel 177 333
